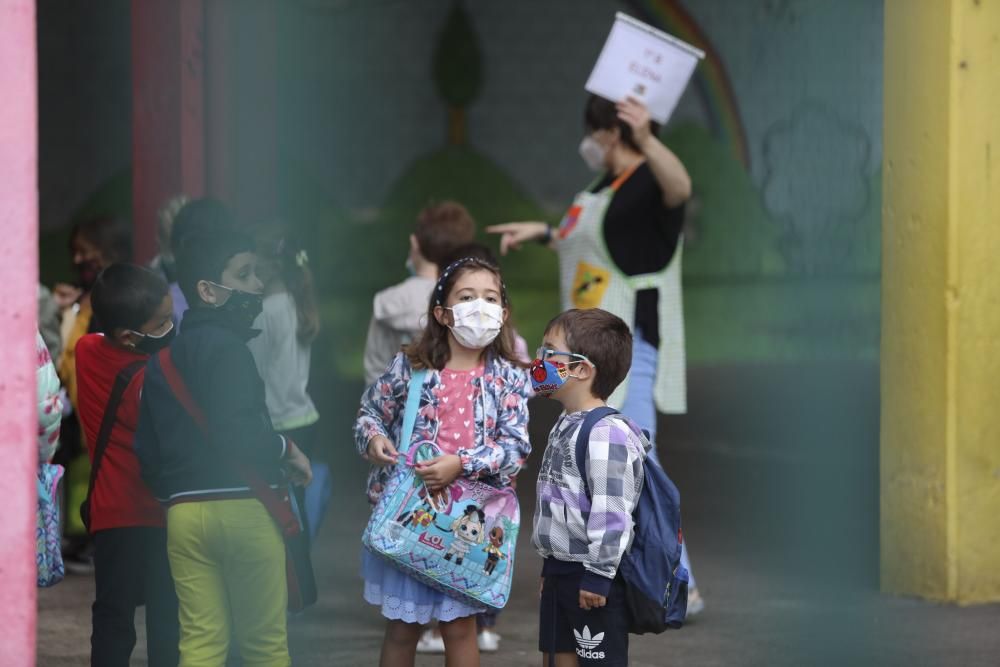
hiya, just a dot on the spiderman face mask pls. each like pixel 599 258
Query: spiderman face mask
pixel 548 375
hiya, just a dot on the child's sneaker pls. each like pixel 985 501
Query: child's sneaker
pixel 696 603
pixel 430 642
pixel 489 641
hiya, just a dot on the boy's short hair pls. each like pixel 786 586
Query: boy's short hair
pixel 603 338
pixel 198 217
pixel 126 296
pixel 443 227
pixel 204 256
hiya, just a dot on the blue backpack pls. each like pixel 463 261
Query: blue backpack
pixel 655 581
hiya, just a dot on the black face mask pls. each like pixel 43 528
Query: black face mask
pixel 241 308
pixel 151 344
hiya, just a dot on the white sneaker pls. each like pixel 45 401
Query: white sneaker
pixel 696 603
pixel 430 643
pixel 489 641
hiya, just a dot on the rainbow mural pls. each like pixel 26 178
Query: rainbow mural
pixel 711 80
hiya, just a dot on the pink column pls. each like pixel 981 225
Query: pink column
pixel 18 314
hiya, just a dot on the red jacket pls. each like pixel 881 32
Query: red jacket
pixel 121 499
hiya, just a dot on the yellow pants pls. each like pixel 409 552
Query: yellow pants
pixel 76 484
pixel 227 559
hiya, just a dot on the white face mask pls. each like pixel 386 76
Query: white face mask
pixel 593 153
pixel 477 323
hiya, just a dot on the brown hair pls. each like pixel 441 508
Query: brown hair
pixel 603 338
pixel 110 235
pixel 276 242
pixel 432 350
pixel 441 228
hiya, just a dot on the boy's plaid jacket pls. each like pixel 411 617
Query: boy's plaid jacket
pixel 595 531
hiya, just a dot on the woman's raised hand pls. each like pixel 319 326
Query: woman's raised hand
pixel 513 234
pixel 635 113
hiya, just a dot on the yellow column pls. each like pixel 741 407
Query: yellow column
pixel 940 457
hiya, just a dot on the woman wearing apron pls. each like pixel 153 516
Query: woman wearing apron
pixel 619 248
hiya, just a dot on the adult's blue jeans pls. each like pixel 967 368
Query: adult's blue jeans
pixel 639 405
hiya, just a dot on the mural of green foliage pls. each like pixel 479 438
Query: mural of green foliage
pixel 457 62
pixel 732 234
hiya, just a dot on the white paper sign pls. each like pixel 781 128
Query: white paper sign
pixel 642 62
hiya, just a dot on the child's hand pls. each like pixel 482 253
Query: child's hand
pixel 439 472
pixel 590 600
pixel 381 451
pixel 297 465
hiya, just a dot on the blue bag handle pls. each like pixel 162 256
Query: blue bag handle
pixel 411 409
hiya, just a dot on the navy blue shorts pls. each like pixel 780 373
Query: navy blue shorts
pixel 597 636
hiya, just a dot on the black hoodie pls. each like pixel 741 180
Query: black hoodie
pixel 178 462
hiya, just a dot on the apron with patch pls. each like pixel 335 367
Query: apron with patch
pixel 589 278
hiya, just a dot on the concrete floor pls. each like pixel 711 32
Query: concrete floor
pixel 779 478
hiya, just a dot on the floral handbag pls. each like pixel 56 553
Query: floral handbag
pixel 460 541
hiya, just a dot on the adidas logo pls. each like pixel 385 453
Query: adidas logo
pixel 588 644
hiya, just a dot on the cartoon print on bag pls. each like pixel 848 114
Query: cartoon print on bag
pixel 422 515
pixel 492 549
pixel 429 506
pixel 469 530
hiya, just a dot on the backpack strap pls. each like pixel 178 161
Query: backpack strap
pixel 412 408
pixel 583 440
pixel 278 507
pixel 122 381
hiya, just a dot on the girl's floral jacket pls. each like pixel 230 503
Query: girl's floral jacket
pixel 501 438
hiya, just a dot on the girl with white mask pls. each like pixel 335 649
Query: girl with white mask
pixel 489 640
pixel 474 409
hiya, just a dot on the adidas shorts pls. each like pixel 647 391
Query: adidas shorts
pixel 597 636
